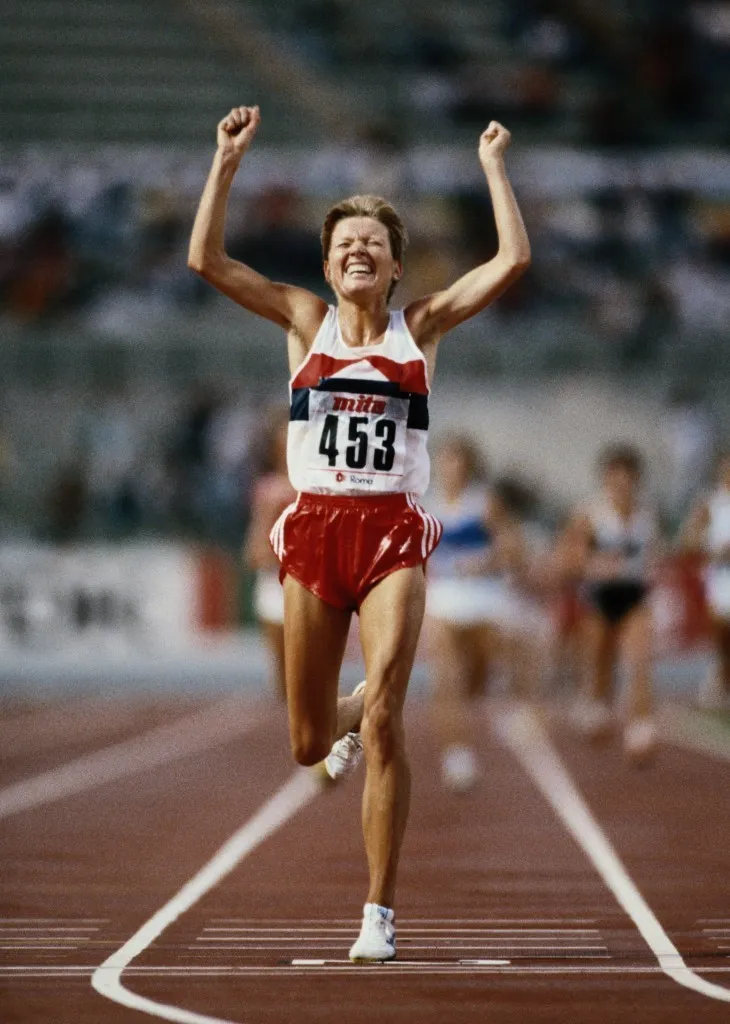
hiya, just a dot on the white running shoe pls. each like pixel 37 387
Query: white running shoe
pixel 376 941
pixel 346 753
pixel 592 718
pixel 640 738
pixel 459 769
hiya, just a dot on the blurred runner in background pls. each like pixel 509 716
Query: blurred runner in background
pixel 707 530
pixel 272 492
pixel 612 542
pixel 470 601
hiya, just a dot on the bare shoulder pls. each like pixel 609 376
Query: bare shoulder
pixel 306 311
pixel 419 320
pixel 303 326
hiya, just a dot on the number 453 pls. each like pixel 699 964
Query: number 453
pixel 356 453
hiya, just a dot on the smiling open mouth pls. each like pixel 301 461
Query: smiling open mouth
pixel 359 269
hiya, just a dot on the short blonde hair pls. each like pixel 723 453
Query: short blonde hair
pixel 367 206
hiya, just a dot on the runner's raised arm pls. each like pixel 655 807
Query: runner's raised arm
pixel 286 305
pixel 433 316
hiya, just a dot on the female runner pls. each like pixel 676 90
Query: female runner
pixel 470 601
pixel 356 539
pixel 708 531
pixel 271 494
pixel 613 542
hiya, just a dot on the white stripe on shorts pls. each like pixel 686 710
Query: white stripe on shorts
pixel 276 536
pixel 431 527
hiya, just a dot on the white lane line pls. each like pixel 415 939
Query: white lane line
pixel 402 930
pixel 200 971
pixel 54 921
pixel 410 946
pixel 684 728
pixel 69 949
pixel 527 740
pixel 252 923
pixel 410 963
pixel 45 930
pixel 294 795
pixel 170 742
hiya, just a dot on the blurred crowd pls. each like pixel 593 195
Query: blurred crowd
pixel 605 73
pixel 633 265
pixel 189 467
pixel 187 474
pixel 637 262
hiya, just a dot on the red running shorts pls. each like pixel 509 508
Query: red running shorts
pixel 340 547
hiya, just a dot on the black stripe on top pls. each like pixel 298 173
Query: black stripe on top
pixel 418 418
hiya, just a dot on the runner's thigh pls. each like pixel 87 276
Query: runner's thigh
pixel 390 623
pixel 315 634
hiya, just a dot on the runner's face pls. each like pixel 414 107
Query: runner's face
pixel 622 484
pixel 360 263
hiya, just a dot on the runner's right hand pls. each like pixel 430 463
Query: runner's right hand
pixel 236 131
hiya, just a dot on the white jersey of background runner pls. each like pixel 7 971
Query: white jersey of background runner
pixel 359 416
pixel 718 543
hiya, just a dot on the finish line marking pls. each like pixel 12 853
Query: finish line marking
pixel 407 963
pixel 294 795
pixel 522 733
pixel 345 967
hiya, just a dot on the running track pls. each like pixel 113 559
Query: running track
pixel 161 860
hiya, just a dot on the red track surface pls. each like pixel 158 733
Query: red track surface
pixel 493 875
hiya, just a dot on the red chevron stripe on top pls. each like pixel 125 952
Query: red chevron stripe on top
pixel 411 375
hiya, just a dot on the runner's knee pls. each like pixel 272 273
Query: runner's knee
pixel 382 729
pixel 308 747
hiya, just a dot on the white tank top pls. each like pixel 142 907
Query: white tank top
pixel 631 538
pixel 718 531
pixel 359 416
pixel 464 533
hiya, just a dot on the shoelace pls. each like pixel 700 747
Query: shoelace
pixel 352 744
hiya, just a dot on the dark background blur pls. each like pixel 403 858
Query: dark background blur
pixel 132 398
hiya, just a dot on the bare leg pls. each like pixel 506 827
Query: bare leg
pixel 274 634
pixel 315 634
pixel 637 637
pixel 349 715
pixel 721 635
pixel 390 622
pixel 459 663
pixel 599 656
pixel 453 681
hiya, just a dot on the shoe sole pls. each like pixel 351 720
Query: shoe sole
pixel 372 959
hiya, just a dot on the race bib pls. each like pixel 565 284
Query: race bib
pixel 356 442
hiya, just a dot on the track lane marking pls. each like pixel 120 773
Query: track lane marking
pixel 405 930
pixel 172 741
pixel 399 967
pixel 522 733
pixel 293 796
pixel 408 922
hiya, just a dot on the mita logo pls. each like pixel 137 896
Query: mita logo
pixel 363 403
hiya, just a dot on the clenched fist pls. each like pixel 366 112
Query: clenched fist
pixel 493 142
pixel 236 131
